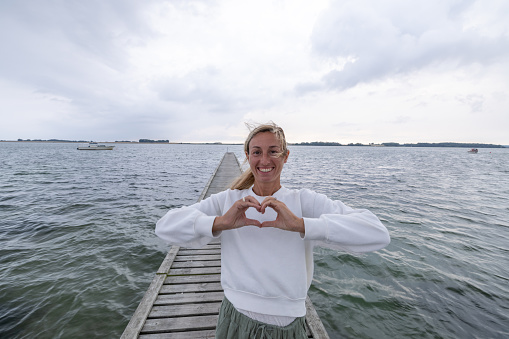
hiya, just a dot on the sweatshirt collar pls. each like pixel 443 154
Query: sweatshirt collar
pixel 276 194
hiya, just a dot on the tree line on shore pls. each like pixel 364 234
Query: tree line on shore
pixel 148 141
pixel 395 144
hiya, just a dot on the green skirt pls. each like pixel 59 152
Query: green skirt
pixel 234 325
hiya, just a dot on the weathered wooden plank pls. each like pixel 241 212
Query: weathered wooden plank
pixel 143 309
pixel 141 313
pixel 196 263
pixel 185 310
pixel 192 279
pixel 212 246
pixel 197 257
pixel 223 176
pixel 206 322
pixel 191 288
pixel 206 189
pixel 198 270
pixel 207 334
pixel 209 247
pixel 213 251
pixel 168 260
pixel 173 325
pixel 314 322
pixel 187 298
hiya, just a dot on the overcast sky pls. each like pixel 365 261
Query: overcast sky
pixel 192 71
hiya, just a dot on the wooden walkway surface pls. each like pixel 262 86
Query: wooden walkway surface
pixel 183 300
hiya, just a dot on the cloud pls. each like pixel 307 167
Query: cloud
pixel 70 50
pixel 58 32
pixel 204 87
pixel 474 101
pixel 195 70
pixel 372 40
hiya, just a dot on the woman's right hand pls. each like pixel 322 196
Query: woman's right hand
pixel 235 217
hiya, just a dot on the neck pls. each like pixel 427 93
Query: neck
pixel 265 190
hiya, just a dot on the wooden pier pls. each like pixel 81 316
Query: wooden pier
pixel 183 300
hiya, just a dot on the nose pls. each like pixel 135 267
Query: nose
pixel 265 158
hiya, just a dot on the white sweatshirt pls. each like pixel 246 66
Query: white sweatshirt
pixel 268 270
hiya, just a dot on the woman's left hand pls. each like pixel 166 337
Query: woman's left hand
pixel 285 220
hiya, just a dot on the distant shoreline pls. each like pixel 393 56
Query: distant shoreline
pixel 419 144
pixel 119 142
pixel 315 143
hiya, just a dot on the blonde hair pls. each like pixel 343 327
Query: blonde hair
pixel 246 179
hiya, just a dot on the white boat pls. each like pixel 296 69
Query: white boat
pixel 473 150
pixel 94 146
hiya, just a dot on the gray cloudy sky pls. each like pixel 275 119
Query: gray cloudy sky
pixel 346 71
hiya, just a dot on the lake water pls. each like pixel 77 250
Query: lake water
pixel 78 250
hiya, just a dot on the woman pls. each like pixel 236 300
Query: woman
pixel 267 237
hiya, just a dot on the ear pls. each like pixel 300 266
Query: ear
pixel 287 154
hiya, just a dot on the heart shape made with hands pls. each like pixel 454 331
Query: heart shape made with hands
pixel 285 218
pixel 260 207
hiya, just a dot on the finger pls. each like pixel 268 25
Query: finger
pixel 245 205
pixel 253 222
pixel 250 199
pixel 268 199
pixel 264 206
pixel 265 202
pixel 271 223
pixel 269 202
pixel 247 202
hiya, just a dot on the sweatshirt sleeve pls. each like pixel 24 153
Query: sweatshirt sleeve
pixel 191 226
pixel 332 224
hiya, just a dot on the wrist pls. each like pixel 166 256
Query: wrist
pixel 217 226
pixel 300 226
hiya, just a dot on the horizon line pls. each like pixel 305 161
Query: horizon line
pixel 302 143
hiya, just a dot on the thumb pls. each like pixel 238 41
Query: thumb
pixel 271 223
pixel 253 222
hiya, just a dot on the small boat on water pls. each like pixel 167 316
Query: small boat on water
pixel 94 146
pixel 473 150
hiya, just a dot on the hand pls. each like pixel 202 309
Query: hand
pixel 235 217
pixel 285 220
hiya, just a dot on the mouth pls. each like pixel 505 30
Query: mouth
pixel 265 169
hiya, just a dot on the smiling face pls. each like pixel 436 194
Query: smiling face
pixel 266 160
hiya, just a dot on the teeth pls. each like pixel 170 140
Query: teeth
pixel 265 170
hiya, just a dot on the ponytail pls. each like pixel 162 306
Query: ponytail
pixel 244 181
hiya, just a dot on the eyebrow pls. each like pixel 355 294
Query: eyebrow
pixel 275 146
